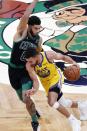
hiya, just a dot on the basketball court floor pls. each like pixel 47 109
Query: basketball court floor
pixel 68 36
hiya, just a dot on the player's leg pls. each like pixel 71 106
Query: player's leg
pixel 16 77
pixel 30 106
pixel 81 105
pixel 52 101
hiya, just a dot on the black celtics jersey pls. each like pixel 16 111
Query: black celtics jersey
pixel 19 49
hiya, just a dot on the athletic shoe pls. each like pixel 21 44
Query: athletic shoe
pixel 38 115
pixel 75 124
pixel 83 110
pixel 35 126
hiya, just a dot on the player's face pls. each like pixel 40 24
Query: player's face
pixel 35 29
pixel 32 61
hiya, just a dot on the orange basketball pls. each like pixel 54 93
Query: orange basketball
pixel 72 73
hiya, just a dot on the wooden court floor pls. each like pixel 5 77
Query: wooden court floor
pixel 14 117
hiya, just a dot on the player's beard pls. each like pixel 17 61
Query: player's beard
pixel 32 34
pixel 33 65
pixel 36 63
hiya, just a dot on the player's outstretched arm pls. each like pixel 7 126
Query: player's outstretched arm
pixel 24 19
pixel 52 55
pixel 33 77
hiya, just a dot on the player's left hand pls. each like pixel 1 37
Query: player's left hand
pixel 77 65
pixel 30 92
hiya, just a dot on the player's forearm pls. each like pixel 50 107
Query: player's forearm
pixel 25 17
pixel 69 60
pixel 33 76
pixel 36 85
pixel 30 8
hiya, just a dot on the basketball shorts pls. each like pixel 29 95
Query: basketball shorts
pixel 20 80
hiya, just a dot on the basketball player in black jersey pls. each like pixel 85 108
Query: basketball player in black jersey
pixel 26 37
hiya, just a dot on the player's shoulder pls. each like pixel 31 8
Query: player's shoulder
pixel 49 55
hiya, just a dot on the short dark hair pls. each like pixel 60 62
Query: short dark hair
pixel 34 20
pixel 32 52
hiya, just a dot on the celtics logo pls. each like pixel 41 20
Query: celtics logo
pixel 64 29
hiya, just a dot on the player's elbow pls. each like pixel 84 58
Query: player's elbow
pixel 63 57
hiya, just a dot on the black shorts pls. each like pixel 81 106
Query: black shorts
pixel 19 79
pixel 56 89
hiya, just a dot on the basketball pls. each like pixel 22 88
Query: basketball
pixel 72 73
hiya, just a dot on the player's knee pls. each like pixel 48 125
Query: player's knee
pixel 56 105
pixel 26 100
pixel 51 103
pixel 65 102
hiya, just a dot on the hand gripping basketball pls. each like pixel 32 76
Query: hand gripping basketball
pixel 72 73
